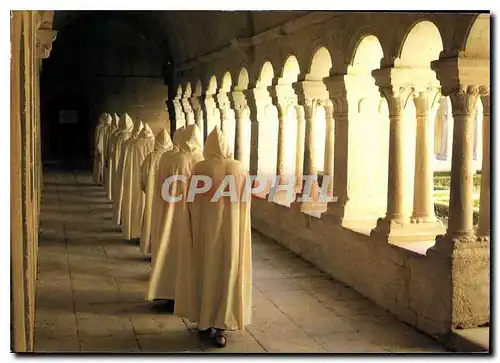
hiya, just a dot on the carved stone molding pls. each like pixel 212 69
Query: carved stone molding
pixel 463 99
pixel 426 101
pixel 485 99
pixel 44 39
pixel 397 97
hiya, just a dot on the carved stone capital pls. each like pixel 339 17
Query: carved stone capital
pixel 397 97
pixel 485 99
pixel 309 90
pixel 463 99
pixel 238 100
pixel 426 101
pixel 44 39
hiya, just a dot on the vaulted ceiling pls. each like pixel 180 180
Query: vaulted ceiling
pixel 182 35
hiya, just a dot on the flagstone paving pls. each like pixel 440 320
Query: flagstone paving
pixel 92 284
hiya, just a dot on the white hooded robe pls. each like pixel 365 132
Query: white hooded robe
pixel 98 164
pixel 158 201
pixel 107 154
pixel 108 176
pixel 117 140
pixel 118 183
pixel 221 262
pixel 149 171
pixel 174 216
pixel 133 196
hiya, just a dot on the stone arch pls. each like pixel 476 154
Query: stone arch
pixel 243 79
pixel 422 44
pixel 367 55
pixel 266 75
pixel 477 44
pixel 321 63
pixel 291 69
pixel 355 41
pixel 226 82
pixel 212 86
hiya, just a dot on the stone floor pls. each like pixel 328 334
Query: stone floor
pixel 91 289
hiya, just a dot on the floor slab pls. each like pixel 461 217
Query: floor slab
pixel 92 286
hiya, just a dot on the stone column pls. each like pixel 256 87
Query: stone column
pixel 423 204
pixel 396 98
pixel 257 99
pixel 210 110
pixel 239 104
pixel 484 228
pixel 281 95
pixel 330 145
pixel 310 106
pixel 180 119
pixel 197 111
pixel 299 160
pixel 188 111
pixel 463 101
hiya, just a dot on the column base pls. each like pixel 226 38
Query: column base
pixel 313 208
pixel 448 245
pixel 353 214
pixel 391 231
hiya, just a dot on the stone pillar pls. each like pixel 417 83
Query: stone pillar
pixel 310 95
pixel 258 100
pixel 396 98
pixel 180 119
pixel 299 160
pixel 210 114
pixel 463 103
pixel 484 228
pixel 197 111
pixel 423 204
pixel 310 106
pixel 188 111
pixel 282 95
pixel 239 104
pixel 330 146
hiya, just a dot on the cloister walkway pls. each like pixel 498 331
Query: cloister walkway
pixel 92 283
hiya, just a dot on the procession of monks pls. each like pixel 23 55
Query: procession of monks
pixel 201 259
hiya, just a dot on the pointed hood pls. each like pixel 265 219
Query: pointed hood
pixel 138 126
pixel 116 121
pixel 102 118
pixel 216 146
pixel 146 132
pixel 190 139
pixel 163 141
pixel 107 119
pixel 126 123
pixel 178 135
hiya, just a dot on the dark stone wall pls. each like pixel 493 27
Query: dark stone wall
pixel 98 64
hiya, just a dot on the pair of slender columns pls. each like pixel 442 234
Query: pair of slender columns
pixel 423 206
pixel 461 201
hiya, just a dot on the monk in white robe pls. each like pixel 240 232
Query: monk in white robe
pixel 118 178
pixel 107 154
pixel 149 171
pixel 222 256
pixel 98 165
pixel 133 196
pixel 116 143
pixel 175 227
pixel 158 201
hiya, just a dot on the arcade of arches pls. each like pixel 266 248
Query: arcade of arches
pixel 379 109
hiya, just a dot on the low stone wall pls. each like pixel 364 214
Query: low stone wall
pixel 414 287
